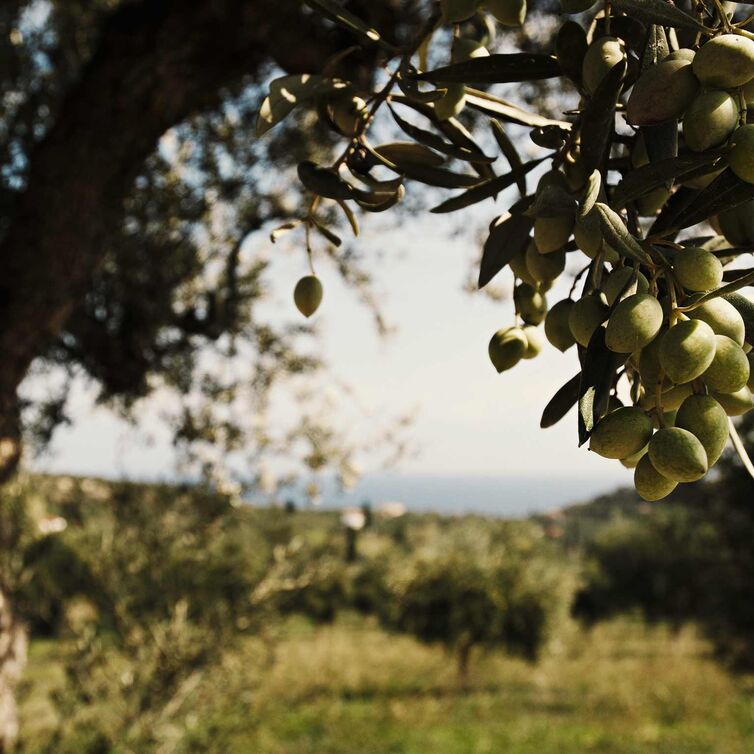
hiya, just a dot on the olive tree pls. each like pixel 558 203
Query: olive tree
pixel 653 141
pixel 127 132
pixel 483 588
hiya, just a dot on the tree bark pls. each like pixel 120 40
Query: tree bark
pixel 157 62
pixel 13 643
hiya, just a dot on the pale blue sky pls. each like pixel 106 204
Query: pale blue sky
pixel 468 418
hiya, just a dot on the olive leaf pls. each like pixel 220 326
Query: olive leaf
pixel 598 118
pixel 648 177
pixel 436 142
pixel 381 206
pixel 508 237
pixel 570 47
pixel 327 233
pixel 496 69
pixel 410 86
pixel 324 181
pixel 421 164
pixel 350 21
pixel 725 192
pixel 484 190
pixel 378 186
pixel 659 12
pixel 598 369
pixel 679 200
pixel 661 140
pixel 656 46
pixel 511 154
pixel 287 92
pixel 350 216
pixel 397 153
pixel 561 403
pixel 591 193
pixel 617 235
pixel 507 111
pixel 451 128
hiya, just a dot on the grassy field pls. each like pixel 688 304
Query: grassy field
pixel 346 688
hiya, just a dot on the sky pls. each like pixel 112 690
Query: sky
pixel 468 419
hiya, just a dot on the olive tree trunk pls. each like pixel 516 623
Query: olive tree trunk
pixel 13 644
pixel 157 62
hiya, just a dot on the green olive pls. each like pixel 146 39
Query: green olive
pixel 729 370
pixel 686 350
pixel 649 483
pixel 507 347
pixel 601 56
pixel 725 61
pixel 678 455
pixel 621 433
pixel 698 269
pixel 634 323
pixel 710 120
pixel 706 419
pixel 307 295
pixel 586 315
pixel 557 329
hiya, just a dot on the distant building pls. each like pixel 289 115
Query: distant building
pixel 391 509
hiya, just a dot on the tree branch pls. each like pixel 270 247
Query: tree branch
pixel 158 61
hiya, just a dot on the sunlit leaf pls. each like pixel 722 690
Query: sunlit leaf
pixel 507 111
pixel 618 236
pixel 287 92
pixel 345 18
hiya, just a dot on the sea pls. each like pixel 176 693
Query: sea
pixel 503 496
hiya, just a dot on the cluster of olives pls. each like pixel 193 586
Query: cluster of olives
pixel 654 314
pixel 708 90
pixel 688 365
pixel 688 371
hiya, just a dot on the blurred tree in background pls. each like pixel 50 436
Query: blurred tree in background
pixel 130 183
pixel 689 559
pixel 482 587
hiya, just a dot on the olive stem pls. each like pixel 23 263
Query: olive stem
pixel 658 400
pixel 723 15
pixel 674 310
pixel 577 278
pixel 740 448
pixel 309 244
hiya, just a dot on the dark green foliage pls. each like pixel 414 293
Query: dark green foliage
pixel 689 559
